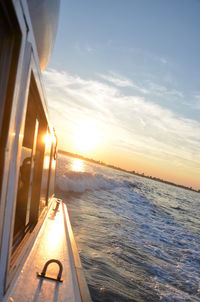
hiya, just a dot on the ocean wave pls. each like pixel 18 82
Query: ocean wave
pixel 80 182
pixel 138 239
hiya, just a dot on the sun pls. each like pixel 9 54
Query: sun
pixel 77 165
pixel 86 137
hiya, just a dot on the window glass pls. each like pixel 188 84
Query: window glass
pixel 53 168
pixel 10 38
pixel 25 181
pixel 34 160
pixel 46 171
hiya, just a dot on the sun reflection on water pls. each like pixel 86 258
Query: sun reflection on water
pixel 77 165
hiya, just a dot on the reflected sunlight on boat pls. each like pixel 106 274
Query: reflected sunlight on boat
pixel 47 140
pixel 55 234
pixel 46 162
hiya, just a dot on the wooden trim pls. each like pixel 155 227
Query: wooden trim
pixel 83 287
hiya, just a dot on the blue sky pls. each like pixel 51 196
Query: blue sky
pixel 131 70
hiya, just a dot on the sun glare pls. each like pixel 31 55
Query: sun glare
pixel 47 140
pixel 86 137
pixel 77 165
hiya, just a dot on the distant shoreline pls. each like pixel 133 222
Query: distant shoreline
pixel 98 162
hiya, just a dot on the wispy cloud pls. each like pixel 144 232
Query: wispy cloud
pixel 162 91
pixel 197 101
pixel 82 49
pixel 163 60
pixel 89 48
pixel 120 81
pixel 129 122
pixel 148 87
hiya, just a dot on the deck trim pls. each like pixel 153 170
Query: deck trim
pixel 83 287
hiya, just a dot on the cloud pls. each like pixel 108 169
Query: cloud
pixel 163 91
pixel 148 87
pixel 83 49
pixel 129 123
pixel 197 101
pixel 120 81
pixel 163 60
pixel 89 49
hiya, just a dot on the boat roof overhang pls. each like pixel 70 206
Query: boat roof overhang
pixel 44 18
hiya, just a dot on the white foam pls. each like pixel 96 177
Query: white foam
pixel 81 181
pixel 93 177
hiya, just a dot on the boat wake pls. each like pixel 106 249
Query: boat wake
pixel 79 182
pixel 138 239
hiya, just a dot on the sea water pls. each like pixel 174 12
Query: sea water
pixel 139 240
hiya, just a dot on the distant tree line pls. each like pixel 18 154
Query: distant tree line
pixel 127 171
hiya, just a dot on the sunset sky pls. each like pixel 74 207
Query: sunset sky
pixel 123 85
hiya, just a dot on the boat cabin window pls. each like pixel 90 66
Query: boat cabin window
pixel 52 167
pixel 34 152
pixel 49 166
pixel 46 171
pixel 10 39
